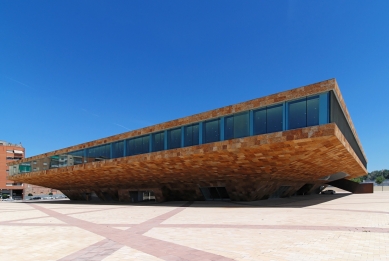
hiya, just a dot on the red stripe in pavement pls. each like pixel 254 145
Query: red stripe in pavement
pixel 133 237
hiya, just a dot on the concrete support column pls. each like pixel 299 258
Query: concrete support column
pixel 114 194
pixel 315 189
pixel 159 195
pixel 249 190
pixel 293 189
pixel 182 191
pixel 74 194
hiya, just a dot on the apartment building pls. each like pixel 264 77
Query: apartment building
pixel 8 153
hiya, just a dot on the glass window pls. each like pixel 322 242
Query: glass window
pixel 25 167
pixel 138 145
pixel 130 147
pixel 259 124
pixel 229 127
pixel 158 141
pixel 99 153
pixel 174 138
pixel 297 117
pixel 63 161
pixel 241 125
pixel 77 157
pixel 13 170
pixel 274 118
pixel 211 132
pixel 118 149
pixel 54 162
pixel 191 135
pixel 237 126
pixel 313 111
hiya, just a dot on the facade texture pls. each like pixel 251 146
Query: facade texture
pixel 291 142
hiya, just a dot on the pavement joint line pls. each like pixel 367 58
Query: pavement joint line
pixel 88 211
pixel 356 203
pixel 22 219
pixel 12 209
pixel 280 227
pixel 119 225
pixel 290 202
pixel 353 210
pixel 34 225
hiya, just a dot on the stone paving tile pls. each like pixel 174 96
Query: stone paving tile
pixel 121 228
pixel 16 215
pixel 135 215
pixel 86 209
pixel 318 227
pixel 43 243
pixel 97 251
pixel 128 253
pixel 43 220
pixel 290 216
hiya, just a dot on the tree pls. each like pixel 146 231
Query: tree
pixel 376 173
pixel 30 195
pixel 385 173
pixel 358 180
pixel 379 179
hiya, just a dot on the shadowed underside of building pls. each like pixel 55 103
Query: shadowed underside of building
pixel 291 142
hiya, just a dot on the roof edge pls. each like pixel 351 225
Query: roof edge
pixel 342 103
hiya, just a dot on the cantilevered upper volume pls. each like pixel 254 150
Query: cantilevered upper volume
pixel 293 141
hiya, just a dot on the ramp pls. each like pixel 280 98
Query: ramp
pixel 352 186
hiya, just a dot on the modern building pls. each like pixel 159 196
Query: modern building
pixel 10 152
pixel 293 142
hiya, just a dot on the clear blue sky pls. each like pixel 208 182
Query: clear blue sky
pixel 75 71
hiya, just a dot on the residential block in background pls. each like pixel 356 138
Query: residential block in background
pixel 10 152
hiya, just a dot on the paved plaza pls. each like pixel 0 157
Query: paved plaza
pixel 316 227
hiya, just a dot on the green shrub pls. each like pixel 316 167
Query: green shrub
pixel 50 194
pixel 379 179
pixel 30 195
pixel 358 180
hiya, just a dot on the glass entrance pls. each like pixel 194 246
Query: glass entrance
pixel 215 193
